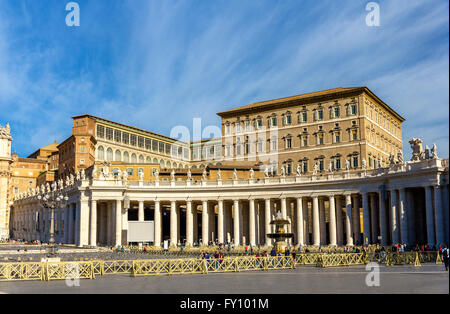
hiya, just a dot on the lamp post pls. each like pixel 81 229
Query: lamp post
pixel 52 200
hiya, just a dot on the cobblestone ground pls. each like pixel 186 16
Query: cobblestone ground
pixel 398 279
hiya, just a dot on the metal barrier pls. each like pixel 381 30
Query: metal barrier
pixel 89 269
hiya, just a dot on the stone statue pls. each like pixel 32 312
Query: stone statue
pixel 330 167
pixel 434 152
pixel 364 164
pixel 400 157
pixel 391 159
pixel 38 190
pixel 78 176
pixel 266 172
pixel 347 165
pixel 299 170
pixel 141 175
pixel 47 188
pixel 83 174
pixel 315 169
pixel 252 173
pixel 219 175
pixel 124 176
pixel 204 178
pixel 283 171
pixel 189 175
pixel 416 146
pixel 235 177
pixel 72 179
pixel 172 175
pixel 427 152
pixel 380 162
pixel 156 174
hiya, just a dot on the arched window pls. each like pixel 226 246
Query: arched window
pixel 161 164
pixel 168 165
pixel 133 158
pixel 115 171
pixel 175 165
pixel 100 153
pixel 194 167
pixel 118 156
pixel 141 159
pixel 126 157
pixel 148 160
pixel 186 166
pixel 109 154
pixel 155 160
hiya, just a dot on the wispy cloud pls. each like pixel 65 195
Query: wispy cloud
pixel 157 64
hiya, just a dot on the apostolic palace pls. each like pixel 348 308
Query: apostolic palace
pixel 330 162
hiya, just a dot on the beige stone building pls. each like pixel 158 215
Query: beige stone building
pixel 327 128
pixel 330 162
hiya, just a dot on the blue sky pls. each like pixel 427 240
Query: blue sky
pixel 156 64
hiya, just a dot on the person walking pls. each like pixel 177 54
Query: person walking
pixel 445 256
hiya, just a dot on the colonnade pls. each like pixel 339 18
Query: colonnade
pixel 402 215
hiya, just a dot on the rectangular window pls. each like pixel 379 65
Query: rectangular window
pixel 305 141
pixel 273 121
pixel 117 136
pixel 147 144
pixel 320 114
pixel 238 127
pixel 167 150
pixel 355 162
pixel 320 139
pixel 337 112
pixel 227 129
pixel 133 139
pixel 337 137
pixel 125 138
pixel 289 143
pixel 109 134
pixel 338 163
pixel 305 167
pixel 321 165
pixel 100 131
pixel 353 109
pixel 247 126
pixel 259 124
pixel 274 144
pixel 288 119
pixel 354 135
pixel 140 141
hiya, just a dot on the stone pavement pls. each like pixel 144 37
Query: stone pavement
pixel 398 279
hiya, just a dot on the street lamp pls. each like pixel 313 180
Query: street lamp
pixel 52 200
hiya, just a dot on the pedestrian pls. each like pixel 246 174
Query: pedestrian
pixel 445 256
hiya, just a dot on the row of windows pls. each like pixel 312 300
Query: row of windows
pixel 141 142
pixel 258 146
pixel 134 158
pixel 287 119
pixel 336 164
pixel 382 120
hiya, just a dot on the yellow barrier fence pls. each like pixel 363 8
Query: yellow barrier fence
pixel 89 269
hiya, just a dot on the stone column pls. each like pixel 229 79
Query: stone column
pixel 357 220
pixel 366 218
pixel 236 215
pixel 220 222
pixel 141 211
pixel 299 220
pixel 393 216
pixel 348 219
pixel 339 224
pixel 211 221
pixel 283 208
pixel 109 222
pixel 158 225
pixel 173 223
pixel 66 223
pixel 189 224
pixel 118 222
pixel 267 220
pixel 373 218
pixel 205 223
pixel 93 224
pixel 332 224
pixel 195 214
pixel 403 217
pixel 429 216
pixel 323 225
pixel 383 225
pixel 438 215
pixel 316 221
pixel 252 222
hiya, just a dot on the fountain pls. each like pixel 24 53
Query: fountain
pixel 280 234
